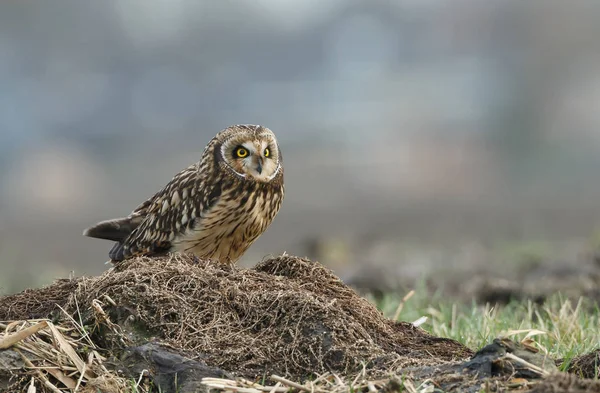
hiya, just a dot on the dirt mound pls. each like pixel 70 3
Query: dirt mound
pixel 37 303
pixel 179 324
pixel 587 365
pixel 566 383
pixel 287 316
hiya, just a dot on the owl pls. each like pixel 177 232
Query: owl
pixel 214 209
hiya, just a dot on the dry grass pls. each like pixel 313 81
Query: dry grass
pixel 55 357
pixel 325 383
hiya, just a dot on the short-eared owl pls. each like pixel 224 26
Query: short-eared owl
pixel 214 209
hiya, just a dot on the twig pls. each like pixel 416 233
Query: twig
pixel 80 378
pixel 278 384
pixel 227 384
pixel 338 380
pixel 58 374
pixel 401 304
pixel 78 326
pixel 137 384
pixel 67 368
pixel 68 350
pixel 31 388
pixel 289 383
pixel 322 377
pixel 230 388
pixel 409 386
pixel 109 299
pixel 242 389
pixel 531 366
pixel 14 338
pixel 39 372
pixel 362 373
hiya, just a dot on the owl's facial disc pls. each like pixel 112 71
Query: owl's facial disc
pixel 253 159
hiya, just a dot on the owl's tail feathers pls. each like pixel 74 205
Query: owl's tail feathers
pixel 118 252
pixel 116 229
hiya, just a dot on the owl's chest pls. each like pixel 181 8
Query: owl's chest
pixel 225 231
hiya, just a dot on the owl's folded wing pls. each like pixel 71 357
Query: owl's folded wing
pixel 151 227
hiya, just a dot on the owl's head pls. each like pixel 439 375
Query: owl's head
pixel 250 152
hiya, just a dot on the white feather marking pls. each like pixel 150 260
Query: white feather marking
pixel 165 206
pixel 184 194
pixel 275 173
pixel 175 198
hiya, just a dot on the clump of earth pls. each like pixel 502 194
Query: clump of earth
pixel 182 319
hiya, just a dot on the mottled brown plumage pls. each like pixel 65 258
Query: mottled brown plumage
pixel 214 209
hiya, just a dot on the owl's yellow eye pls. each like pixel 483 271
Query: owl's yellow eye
pixel 241 152
pixel 267 152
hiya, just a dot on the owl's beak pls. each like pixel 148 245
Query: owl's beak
pixel 258 162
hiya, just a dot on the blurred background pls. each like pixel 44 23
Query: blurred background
pixel 419 136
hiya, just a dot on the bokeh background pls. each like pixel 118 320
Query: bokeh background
pixel 419 136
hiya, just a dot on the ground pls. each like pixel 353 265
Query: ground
pixel 179 324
